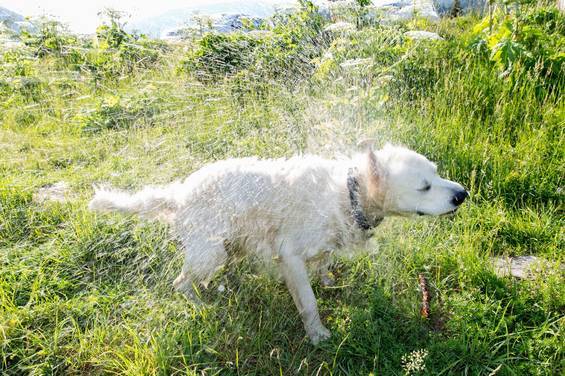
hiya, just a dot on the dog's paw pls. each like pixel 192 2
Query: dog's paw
pixel 318 334
pixel 184 287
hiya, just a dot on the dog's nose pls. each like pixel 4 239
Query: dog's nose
pixel 459 197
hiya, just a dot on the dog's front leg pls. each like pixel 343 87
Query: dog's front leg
pixel 296 278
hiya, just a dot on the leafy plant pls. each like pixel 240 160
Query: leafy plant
pixel 533 40
pixel 218 55
pixel 286 51
pixel 115 112
pixel 51 38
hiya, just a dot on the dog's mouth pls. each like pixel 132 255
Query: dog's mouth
pixel 446 214
pixel 450 213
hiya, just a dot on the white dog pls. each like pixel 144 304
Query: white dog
pixel 292 212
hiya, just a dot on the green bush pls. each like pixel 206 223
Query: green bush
pixel 17 62
pixel 531 42
pixel 116 112
pixel 31 89
pixel 115 53
pixel 218 55
pixel 50 39
pixel 286 52
pixel 112 54
pixel 26 118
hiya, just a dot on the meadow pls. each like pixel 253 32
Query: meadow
pixel 88 294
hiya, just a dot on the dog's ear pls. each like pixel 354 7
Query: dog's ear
pixel 366 144
pixel 375 174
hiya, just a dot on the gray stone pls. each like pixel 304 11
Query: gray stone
pixel 227 23
pixel 357 63
pixel 340 27
pixel 14 22
pixel 523 267
pixel 57 192
pixel 446 6
pixel 421 34
pixel 260 34
pixel 403 10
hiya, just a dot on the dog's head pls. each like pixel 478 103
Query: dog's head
pixel 403 182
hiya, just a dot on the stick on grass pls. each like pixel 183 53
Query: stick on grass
pixel 425 310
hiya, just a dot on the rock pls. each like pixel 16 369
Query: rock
pixel 7 44
pixel 407 10
pixel 340 27
pixel 260 34
pixel 353 63
pixel 57 192
pixel 523 267
pixel 222 23
pixel 227 23
pixel 173 34
pixel 448 6
pixel 14 22
pixel 160 24
pixel 420 34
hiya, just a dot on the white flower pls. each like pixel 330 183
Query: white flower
pixel 414 362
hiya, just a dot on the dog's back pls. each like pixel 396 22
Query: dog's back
pixel 240 197
pixel 248 198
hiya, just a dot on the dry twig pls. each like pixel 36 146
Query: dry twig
pixel 425 310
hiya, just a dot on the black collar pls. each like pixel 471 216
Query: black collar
pixel 356 209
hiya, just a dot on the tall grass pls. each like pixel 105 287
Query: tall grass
pixel 86 294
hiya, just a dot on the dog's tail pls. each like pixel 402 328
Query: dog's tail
pixel 150 202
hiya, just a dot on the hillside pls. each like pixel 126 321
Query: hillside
pixel 157 25
pixel 13 21
pixel 91 294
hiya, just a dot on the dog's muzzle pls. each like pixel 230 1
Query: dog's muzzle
pixel 459 197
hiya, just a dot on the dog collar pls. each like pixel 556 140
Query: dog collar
pixel 356 209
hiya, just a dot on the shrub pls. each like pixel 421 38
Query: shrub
pixel 50 39
pixel 131 50
pixel 286 52
pixel 113 53
pixel 17 63
pixel 528 42
pixel 218 55
pixel 31 88
pixel 18 78
pixel 115 112
pixel 25 117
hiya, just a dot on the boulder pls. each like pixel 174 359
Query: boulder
pixel 404 10
pixel 14 22
pixel 448 6
pixel 353 64
pixel 57 192
pixel 421 34
pixel 522 267
pixel 340 27
pixel 260 34
pixel 227 23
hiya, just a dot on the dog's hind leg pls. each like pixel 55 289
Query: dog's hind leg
pixel 203 256
pixel 296 278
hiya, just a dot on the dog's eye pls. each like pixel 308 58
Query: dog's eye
pixel 426 188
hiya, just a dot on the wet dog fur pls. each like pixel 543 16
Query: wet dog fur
pixel 289 212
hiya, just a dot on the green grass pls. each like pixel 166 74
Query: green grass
pixel 91 294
